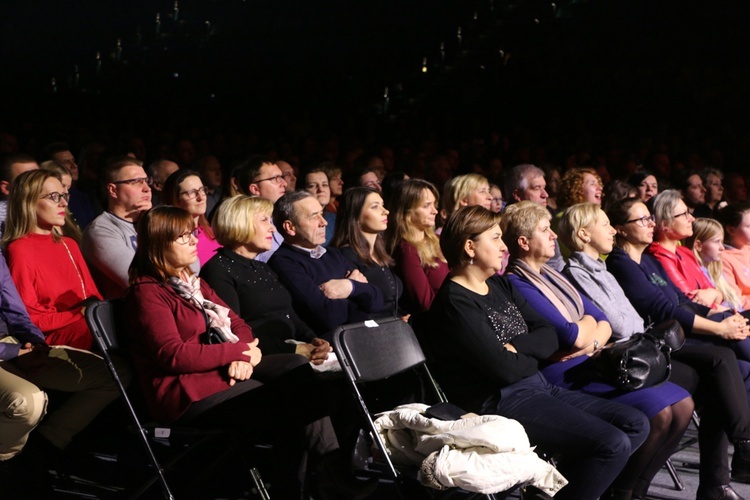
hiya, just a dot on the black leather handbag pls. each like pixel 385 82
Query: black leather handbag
pixel 638 362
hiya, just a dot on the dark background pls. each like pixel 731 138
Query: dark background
pixel 567 70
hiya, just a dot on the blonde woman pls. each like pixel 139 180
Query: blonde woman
pixel 414 245
pixel 707 243
pixel 70 228
pixel 465 191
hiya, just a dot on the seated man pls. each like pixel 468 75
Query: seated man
pixel 109 242
pixel 327 290
pixel 27 363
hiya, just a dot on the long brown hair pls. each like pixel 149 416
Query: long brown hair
pixel 157 231
pixel 348 231
pixel 406 198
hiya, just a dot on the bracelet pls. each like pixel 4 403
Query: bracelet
pixel 596 345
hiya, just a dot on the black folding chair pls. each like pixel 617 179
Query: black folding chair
pixel 374 353
pixel 103 318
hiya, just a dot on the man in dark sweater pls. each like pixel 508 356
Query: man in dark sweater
pixel 327 290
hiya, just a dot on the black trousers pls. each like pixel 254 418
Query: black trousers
pixel 712 374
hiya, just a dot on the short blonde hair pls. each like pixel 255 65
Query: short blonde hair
pixel 573 219
pixel 459 188
pixel 233 223
pixel 521 219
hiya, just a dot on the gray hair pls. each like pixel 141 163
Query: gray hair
pixel 283 209
pixel 663 205
pixel 519 177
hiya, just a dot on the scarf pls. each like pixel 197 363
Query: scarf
pixel 217 316
pixel 555 288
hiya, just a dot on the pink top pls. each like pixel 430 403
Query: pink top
pixel 736 262
pixel 207 246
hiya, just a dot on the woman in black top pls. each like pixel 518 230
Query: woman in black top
pixel 242 224
pixel 360 222
pixel 485 343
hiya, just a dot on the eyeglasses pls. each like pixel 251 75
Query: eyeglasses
pixel 643 221
pixel 56 197
pixel 184 238
pixel 276 179
pixel 137 182
pixel 193 193
pixel 685 214
pixel 287 175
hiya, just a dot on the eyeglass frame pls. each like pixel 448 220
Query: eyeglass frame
pixel 685 214
pixel 60 196
pixel 643 220
pixel 193 193
pixel 276 179
pixel 136 181
pixel 182 236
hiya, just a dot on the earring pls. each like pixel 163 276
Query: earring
pixel 587 240
pixel 471 262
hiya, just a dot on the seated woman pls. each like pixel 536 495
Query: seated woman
pixel 485 343
pixel 414 245
pixel 71 228
pixel 581 328
pixel 48 269
pixel 185 189
pixel 707 243
pixel 184 378
pixel 735 218
pixel 674 222
pixel 587 228
pixel 465 190
pixel 646 184
pixel 243 226
pixel 360 223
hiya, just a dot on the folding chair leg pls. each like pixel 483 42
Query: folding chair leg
pixel 675 477
pixel 259 485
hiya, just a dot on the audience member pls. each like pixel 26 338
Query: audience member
pixel 415 247
pixel 11 166
pixel 646 184
pixel 335 182
pixel 71 228
pixel 185 189
pixel 109 242
pixel 735 218
pixel 360 223
pixel 158 172
pixel 209 168
pixel 316 183
pixel 287 172
pixel 48 269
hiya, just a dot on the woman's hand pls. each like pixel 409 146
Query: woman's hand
pixel 357 276
pixel 239 371
pixel 338 289
pixel 254 352
pixel 707 297
pixel 510 347
pixel 733 328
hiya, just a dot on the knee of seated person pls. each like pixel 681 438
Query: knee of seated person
pixel 21 408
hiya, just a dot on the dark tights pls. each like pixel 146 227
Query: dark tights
pixel 667 427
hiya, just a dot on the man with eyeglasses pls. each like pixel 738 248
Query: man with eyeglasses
pixel 260 176
pixel 109 242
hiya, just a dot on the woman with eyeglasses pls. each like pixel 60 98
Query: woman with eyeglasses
pixel 71 228
pixel 47 268
pixel 190 379
pixel 185 189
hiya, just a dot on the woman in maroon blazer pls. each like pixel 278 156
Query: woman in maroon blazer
pixel 187 379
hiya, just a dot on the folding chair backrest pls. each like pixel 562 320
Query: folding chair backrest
pixel 379 351
pixel 103 317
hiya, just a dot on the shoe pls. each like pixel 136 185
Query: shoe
pixel 724 492
pixel 741 461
